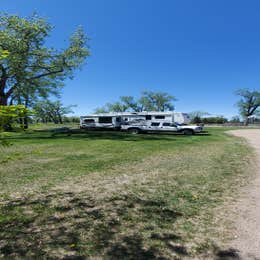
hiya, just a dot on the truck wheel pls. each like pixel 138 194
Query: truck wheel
pixel 187 132
pixel 134 131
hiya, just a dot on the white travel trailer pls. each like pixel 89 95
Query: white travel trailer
pixel 114 120
pixel 102 120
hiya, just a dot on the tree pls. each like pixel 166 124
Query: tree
pixel 130 103
pixel 149 101
pixel 100 110
pixel 196 116
pixel 27 67
pixel 51 111
pixel 116 107
pixel 125 103
pixel 156 101
pixel 235 119
pixel 248 104
pixel 214 120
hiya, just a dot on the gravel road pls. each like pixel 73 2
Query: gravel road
pixel 247 207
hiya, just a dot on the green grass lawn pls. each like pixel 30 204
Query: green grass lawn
pixel 115 195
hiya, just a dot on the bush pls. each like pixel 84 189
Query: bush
pixel 196 120
pixel 214 120
pixel 71 119
pixel 10 114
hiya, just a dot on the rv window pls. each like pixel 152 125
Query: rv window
pixel 155 124
pixel 148 117
pixel 105 119
pixel 166 124
pixel 89 121
pixel 118 119
pixel 159 117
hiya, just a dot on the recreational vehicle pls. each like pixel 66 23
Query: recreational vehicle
pixel 116 119
pixel 104 120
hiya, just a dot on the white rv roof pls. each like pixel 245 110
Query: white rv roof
pixel 133 113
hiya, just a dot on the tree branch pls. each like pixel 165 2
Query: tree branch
pixel 46 74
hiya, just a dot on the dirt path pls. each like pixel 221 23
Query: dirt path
pixel 247 207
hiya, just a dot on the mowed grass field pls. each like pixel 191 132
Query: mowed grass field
pixel 112 195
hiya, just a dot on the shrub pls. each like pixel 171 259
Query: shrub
pixel 10 114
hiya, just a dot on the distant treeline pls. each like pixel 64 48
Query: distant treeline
pixel 210 120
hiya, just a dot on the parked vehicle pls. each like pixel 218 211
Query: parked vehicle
pixel 156 126
pixel 117 120
pixel 106 121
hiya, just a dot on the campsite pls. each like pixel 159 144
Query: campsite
pixel 129 130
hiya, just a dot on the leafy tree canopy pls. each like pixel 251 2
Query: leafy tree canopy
pixel 249 103
pixel 198 114
pixel 51 111
pixel 28 68
pixel 156 101
pixel 149 101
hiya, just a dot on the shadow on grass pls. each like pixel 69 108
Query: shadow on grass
pixel 77 226
pixel 81 134
pixel 73 226
pixel 229 254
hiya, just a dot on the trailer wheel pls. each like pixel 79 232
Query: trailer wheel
pixel 187 132
pixel 134 131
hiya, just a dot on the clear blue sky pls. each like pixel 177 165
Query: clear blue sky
pixel 201 51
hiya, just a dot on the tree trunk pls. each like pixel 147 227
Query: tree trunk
pixel 246 121
pixel 3 100
pixel 21 122
pixel 25 120
pixel 60 119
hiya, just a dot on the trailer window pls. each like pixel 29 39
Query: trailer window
pixel 89 121
pixel 166 124
pixel 118 119
pixel 105 119
pixel 148 117
pixel 159 117
pixel 155 124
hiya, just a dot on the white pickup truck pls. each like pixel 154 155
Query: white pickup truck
pixel 145 127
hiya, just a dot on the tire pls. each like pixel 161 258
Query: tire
pixel 188 132
pixel 134 131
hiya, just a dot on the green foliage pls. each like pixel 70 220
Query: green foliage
pixel 51 111
pixel 196 116
pixel 196 120
pixel 249 103
pixel 149 101
pixel 4 54
pixel 214 120
pixel 235 119
pixel 100 110
pixel 8 115
pixel 71 119
pixel 125 103
pixel 156 101
pixel 28 68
